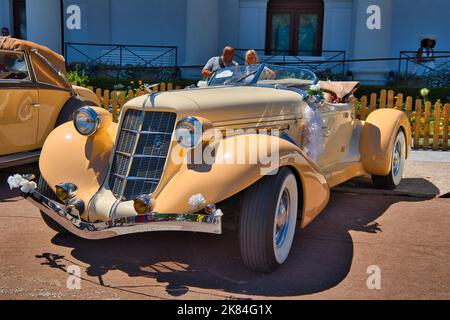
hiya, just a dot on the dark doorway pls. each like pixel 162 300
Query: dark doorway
pixel 295 27
pixel 20 19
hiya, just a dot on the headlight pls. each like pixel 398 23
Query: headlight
pixel 189 132
pixel 66 191
pixel 86 121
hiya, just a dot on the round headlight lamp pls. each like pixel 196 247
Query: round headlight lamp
pixel 189 132
pixel 86 121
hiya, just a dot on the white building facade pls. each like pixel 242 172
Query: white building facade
pixel 364 29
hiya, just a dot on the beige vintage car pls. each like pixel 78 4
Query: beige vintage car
pixel 35 97
pixel 273 138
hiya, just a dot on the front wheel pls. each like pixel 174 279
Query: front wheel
pixel 268 221
pixel 393 179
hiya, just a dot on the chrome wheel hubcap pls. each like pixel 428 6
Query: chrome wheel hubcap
pixel 282 219
pixel 397 158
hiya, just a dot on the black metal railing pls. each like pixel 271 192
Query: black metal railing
pixel 409 63
pixel 331 60
pixel 120 56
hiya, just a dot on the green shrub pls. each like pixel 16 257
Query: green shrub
pixel 126 84
pixel 78 77
pixel 442 94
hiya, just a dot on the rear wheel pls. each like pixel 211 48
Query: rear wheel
pixel 44 189
pixel 268 221
pixel 393 179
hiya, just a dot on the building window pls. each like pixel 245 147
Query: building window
pixel 20 19
pixel 294 27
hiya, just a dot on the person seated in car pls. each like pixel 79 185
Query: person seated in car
pixel 217 63
pixel 251 58
pixel 5 32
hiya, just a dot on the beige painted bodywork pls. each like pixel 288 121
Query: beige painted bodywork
pixel 68 157
pixel 19 120
pixel 29 108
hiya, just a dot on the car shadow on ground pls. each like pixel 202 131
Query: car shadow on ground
pixel 412 186
pixel 321 256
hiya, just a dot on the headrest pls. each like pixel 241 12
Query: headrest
pixel 341 89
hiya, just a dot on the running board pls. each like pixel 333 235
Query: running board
pixel 19 159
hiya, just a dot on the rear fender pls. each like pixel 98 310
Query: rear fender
pixel 378 137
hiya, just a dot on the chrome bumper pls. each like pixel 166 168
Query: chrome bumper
pixel 70 220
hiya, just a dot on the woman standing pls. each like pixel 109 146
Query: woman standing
pixel 425 55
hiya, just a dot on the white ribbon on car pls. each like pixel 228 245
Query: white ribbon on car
pixel 313 128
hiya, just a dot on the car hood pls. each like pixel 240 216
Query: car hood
pixel 225 104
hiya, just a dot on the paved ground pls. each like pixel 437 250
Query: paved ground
pixel 427 173
pixel 406 236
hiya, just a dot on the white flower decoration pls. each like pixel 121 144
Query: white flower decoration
pixel 16 181
pixel 197 201
pixel 315 87
pixel 218 213
pixel 28 186
pixel 424 92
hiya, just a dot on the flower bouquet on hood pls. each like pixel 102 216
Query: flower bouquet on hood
pixel 315 96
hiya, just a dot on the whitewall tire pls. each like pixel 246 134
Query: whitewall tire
pixel 268 221
pixel 398 156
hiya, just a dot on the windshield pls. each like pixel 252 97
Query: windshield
pixel 262 74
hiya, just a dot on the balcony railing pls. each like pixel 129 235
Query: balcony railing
pixel 120 56
pixel 409 64
pixel 331 60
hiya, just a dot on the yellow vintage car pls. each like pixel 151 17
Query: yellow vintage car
pixel 35 97
pixel 273 136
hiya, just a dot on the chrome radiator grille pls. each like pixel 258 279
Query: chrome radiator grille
pixel 141 153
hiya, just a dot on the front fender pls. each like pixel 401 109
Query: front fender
pixel 378 137
pixel 228 175
pixel 68 156
pixel 86 94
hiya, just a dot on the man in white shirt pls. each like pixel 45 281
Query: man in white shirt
pixel 217 63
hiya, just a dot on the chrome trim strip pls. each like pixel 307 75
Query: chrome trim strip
pixel 252 120
pixel 147 132
pixel 68 218
pixel 256 125
pixel 280 126
pixel 138 155
pixel 155 132
pixel 123 154
pixel 148 156
pixel 131 178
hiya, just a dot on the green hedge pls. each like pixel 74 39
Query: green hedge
pixel 442 94
pixel 109 83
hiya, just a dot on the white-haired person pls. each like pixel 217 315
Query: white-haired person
pixel 251 58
